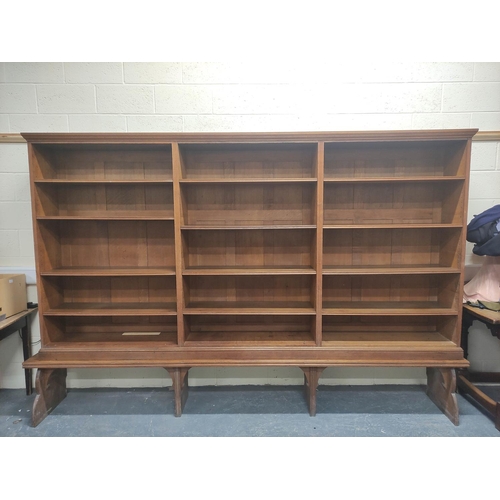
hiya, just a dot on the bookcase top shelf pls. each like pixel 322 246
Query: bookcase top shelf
pixel 249 137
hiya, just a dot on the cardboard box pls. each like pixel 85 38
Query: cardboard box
pixel 13 297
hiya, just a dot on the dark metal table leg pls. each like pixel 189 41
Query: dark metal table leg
pixel 26 338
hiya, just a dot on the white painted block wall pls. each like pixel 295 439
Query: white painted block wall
pixel 217 97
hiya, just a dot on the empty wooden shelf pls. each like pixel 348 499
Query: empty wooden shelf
pixel 306 250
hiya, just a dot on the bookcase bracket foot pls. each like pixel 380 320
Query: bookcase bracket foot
pixel 441 389
pixel 51 390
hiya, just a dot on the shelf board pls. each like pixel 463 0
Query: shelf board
pixel 248 270
pixel 104 181
pixel 373 308
pixel 94 339
pixel 114 309
pixel 237 339
pixel 112 215
pixel 410 269
pixel 226 228
pixel 110 271
pixel 64 355
pixel 386 340
pixel 412 178
pixel 226 180
pixel 249 308
pixel 396 225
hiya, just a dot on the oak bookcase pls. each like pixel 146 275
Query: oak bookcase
pixel 249 249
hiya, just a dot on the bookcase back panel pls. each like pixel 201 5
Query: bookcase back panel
pixel 394 203
pixel 258 330
pixel 249 248
pixel 104 163
pixel 390 291
pixel 387 248
pixel 347 323
pixel 111 290
pixel 250 291
pixel 248 205
pixel 105 244
pixel 99 200
pixel 398 160
pixel 113 329
pixel 377 329
pixel 248 161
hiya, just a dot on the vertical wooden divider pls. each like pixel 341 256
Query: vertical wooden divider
pixel 179 285
pixel 320 164
pixel 466 158
pixel 42 262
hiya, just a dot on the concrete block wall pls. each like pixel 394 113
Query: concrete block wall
pixel 206 96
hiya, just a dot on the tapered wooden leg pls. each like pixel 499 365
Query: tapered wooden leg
pixel 311 379
pixel 441 389
pixel 50 387
pixel 180 386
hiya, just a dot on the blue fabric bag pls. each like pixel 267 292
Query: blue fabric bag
pixel 483 230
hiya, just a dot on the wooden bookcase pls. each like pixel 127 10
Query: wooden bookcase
pixel 259 249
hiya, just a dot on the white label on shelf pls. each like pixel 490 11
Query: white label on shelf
pixel 141 333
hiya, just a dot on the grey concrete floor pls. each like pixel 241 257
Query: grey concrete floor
pixel 363 411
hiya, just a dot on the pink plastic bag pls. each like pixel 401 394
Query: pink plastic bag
pixel 486 283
